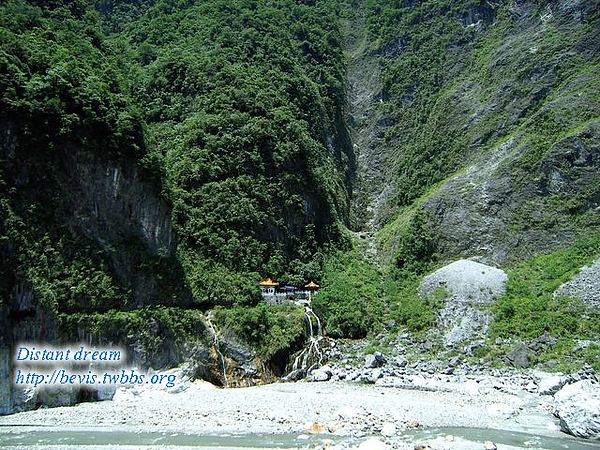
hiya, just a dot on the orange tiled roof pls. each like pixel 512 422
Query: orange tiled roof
pixel 268 282
pixel 312 285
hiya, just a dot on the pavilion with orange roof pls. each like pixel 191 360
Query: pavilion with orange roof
pixel 268 286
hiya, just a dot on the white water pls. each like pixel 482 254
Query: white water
pixel 216 345
pixel 311 356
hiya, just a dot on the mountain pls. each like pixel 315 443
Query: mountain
pixel 160 157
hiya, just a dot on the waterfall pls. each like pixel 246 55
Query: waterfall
pixel 319 327
pixel 307 312
pixel 216 346
pixel 311 356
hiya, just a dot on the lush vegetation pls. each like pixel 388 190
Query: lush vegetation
pixel 272 332
pixel 350 303
pixel 61 90
pixel 231 115
pixel 358 300
pixel 233 110
pixel 244 104
pixel 530 310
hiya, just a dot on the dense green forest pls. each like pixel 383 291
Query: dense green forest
pixel 232 109
pixel 162 156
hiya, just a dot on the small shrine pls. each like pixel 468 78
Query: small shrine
pixel 274 294
pixel 268 287
pixel 311 288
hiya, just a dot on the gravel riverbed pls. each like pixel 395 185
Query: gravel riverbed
pixel 333 408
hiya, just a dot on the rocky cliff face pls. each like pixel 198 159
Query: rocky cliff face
pixel 78 202
pixel 483 115
pixel 501 149
pixel 499 213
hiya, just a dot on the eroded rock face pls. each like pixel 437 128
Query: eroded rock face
pixel 584 286
pixel 467 288
pixel 578 409
pixel 498 212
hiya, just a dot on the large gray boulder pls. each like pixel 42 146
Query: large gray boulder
pixel 468 288
pixel 550 384
pixel 577 406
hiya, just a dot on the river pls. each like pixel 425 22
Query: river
pixel 22 437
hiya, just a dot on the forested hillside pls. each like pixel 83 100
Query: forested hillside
pixel 230 111
pixel 160 157
pixel 244 107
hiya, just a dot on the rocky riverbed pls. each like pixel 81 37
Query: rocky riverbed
pixel 379 410
pixel 328 409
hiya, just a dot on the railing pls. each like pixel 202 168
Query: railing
pixel 287 299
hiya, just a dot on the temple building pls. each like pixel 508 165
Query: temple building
pixel 274 295
pixel 311 288
pixel 268 287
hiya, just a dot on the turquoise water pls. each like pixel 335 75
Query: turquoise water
pixel 22 437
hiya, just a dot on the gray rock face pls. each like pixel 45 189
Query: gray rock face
pixel 58 396
pixel 578 409
pixel 109 194
pixel 584 286
pixel 468 287
pixel 489 212
pixel 7 378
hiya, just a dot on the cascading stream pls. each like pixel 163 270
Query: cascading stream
pixel 311 356
pixel 216 345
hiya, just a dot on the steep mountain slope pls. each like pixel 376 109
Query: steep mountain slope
pixel 244 105
pixel 475 128
pixel 234 164
pixel 495 124
pixel 158 158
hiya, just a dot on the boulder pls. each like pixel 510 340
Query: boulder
pixel 371 375
pixel 374 360
pixel 316 428
pixel 322 374
pixel 551 384
pixel 466 287
pixel 489 445
pixel 577 406
pixel 519 356
pixel 400 361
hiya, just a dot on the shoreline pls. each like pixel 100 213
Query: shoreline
pixel 336 409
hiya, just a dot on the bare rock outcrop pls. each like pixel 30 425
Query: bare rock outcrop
pixel 584 286
pixel 467 288
pixel 578 409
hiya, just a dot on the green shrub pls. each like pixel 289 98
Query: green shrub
pixel 530 310
pixel 406 307
pixel 269 330
pixel 350 301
